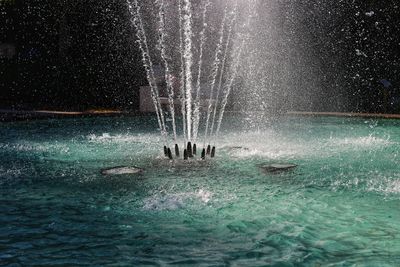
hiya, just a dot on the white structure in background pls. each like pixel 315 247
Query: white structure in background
pixel 147 105
pixel 146 101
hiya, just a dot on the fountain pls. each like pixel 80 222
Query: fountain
pixel 203 77
pixel 282 189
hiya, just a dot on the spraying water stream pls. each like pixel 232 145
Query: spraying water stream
pixel 203 83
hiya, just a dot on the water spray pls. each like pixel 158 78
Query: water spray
pixel 222 71
pixel 203 38
pixel 215 70
pixel 134 9
pixel 221 74
pixel 167 76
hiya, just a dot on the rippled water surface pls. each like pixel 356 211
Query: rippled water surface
pixel 339 207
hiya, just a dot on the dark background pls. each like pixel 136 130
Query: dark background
pixel 72 55
pixel 78 55
pixel 357 46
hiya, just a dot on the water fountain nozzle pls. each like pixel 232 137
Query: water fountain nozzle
pixel 208 150
pixel 189 150
pixel 169 154
pixel 213 152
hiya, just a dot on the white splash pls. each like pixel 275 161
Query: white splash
pixel 364 141
pixel 123 138
pixel 175 201
pixel 10 173
pixel 25 146
pixel 384 185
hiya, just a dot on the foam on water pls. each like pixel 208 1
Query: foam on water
pixel 36 147
pixel 174 201
pixel 385 185
pixel 10 173
pixel 266 144
pixel 275 145
pixel 24 147
pixel 362 141
pixel 124 138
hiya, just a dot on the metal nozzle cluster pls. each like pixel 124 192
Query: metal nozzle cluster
pixel 189 151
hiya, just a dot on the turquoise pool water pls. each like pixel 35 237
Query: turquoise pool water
pixel 339 207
